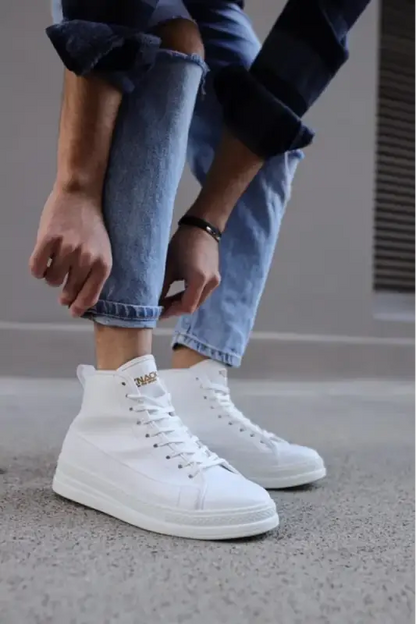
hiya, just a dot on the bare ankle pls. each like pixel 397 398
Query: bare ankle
pixel 115 346
pixel 183 357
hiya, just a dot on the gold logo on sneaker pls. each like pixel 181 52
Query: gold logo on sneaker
pixel 146 379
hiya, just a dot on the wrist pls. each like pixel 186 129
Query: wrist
pixel 80 185
pixel 197 222
pixel 216 216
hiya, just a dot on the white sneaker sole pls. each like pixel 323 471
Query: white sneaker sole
pixel 203 525
pixel 295 478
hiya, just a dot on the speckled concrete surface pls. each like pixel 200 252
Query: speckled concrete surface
pixel 344 553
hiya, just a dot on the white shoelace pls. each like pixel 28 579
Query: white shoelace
pixel 181 442
pixel 221 394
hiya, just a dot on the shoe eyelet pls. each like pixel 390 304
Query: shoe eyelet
pixel 130 409
pixel 205 397
pixel 138 422
pixel 155 445
pixel 230 423
pixel 123 383
pixel 190 477
pixel 180 466
pixel 147 435
pixel 168 457
pixel 252 435
pixel 219 416
pixel 242 430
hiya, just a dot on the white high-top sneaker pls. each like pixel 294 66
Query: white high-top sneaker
pixel 202 397
pixel 128 455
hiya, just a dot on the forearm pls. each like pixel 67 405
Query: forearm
pixel 103 44
pixel 233 169
pixel 89 112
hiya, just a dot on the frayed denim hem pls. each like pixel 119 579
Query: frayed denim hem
pixel 116 314
pixel 181 56
pixel 193 343
pixel 116 53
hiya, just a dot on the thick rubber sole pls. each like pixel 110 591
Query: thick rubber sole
pixel 295 479
pixel 200 525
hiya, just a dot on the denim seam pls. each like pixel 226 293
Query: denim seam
pixel 205 344
pixel 122 303
pixel 141 313
pixel 109 321
pixel 233 358
pixel 91 313
pixel 193 58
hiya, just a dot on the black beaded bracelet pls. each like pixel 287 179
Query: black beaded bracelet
pixel 202 225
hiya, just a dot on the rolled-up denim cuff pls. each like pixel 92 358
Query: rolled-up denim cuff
pixel 117 53
pixel 224 357
pixel 124 314
pixel 131 13
pixel 261 121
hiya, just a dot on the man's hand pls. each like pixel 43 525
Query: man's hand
pixel 193 257
pixel 73 249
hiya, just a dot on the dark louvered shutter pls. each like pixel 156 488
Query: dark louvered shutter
pixel 394 256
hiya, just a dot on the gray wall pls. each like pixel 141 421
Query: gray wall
pixel 321 281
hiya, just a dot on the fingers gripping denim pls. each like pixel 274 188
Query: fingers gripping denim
pixel 146 163
pixel 149 144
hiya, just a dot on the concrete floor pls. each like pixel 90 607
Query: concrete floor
pixel 343 555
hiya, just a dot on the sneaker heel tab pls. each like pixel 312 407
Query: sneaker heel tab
pixel 83 372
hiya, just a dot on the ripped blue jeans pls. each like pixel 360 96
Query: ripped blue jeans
pixel 167 119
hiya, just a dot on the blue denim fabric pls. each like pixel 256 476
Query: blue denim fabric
pixel 146 163
pixel 303 52
pixel 220 329
pixel 260 93
pixel 110 38
pixel 263 104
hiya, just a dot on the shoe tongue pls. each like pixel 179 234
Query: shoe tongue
pixel 144 373
pixel 214 371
